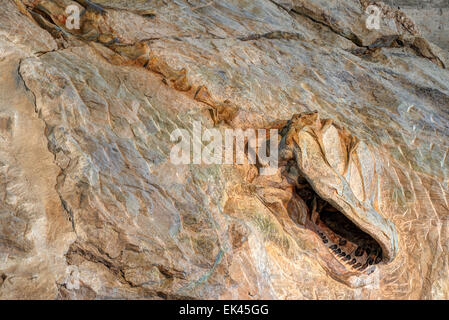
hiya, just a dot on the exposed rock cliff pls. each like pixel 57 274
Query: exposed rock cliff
pixel 431 16
pixel 92 207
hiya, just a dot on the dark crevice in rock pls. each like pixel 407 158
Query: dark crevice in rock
pixel 75 251
pixel 419 45
pixel 274 35
pixel 91 6
pixel 171 273
pixel 3 277
pixel 354 39
pixel 68 211
pixel 89 256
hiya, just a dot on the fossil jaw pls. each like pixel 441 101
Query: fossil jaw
pixel 350 245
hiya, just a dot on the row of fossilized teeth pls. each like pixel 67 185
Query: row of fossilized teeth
pixel 351 260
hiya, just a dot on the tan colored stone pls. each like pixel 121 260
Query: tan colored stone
pixel 88 191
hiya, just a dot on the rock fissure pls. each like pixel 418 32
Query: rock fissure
pixel 66 208
pixel 418 44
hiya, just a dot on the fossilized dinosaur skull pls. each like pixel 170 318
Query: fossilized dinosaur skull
pixel 334 177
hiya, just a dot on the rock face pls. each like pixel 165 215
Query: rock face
pixel 431 16
pixel 92 207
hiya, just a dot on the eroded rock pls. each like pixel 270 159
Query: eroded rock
pixel 92 207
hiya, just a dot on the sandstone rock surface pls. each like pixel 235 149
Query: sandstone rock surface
pixel 92 207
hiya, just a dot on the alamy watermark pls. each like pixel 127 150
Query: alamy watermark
pixel 73 17
pixel 220 150
pixel 374 17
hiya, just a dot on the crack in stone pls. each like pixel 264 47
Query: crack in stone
pixel 419 45
pixel 119 271
pixel 63 202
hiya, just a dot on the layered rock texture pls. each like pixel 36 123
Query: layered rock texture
pixel 431 16
pixel 92 207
